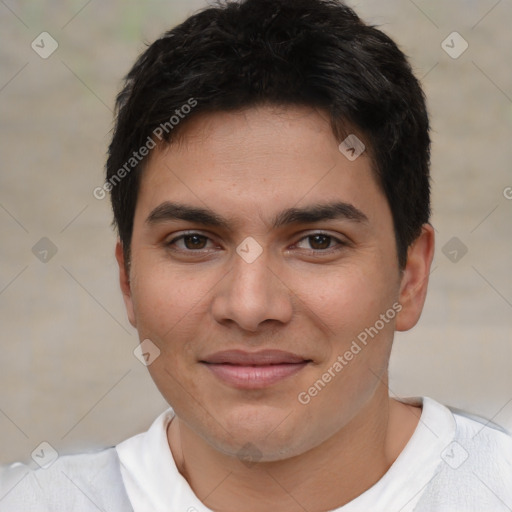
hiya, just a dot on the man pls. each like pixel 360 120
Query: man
pixel 269 176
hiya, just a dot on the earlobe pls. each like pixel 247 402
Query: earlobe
pixel 414 283
pixel 124 282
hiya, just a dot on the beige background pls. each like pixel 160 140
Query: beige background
pixel 67 367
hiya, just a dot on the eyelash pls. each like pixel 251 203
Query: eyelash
pixel 340 243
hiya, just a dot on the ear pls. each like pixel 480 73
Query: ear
pixel 124 281
pixel 414 282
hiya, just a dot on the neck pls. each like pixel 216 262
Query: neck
pixel 323 478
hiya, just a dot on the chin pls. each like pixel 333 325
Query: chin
pixel 256 449
pixel 260 432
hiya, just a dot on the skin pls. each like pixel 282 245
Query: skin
pixel 297 296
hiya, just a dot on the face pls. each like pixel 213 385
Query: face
pixel 264 268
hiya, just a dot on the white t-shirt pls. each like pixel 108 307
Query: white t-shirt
pixel 454 462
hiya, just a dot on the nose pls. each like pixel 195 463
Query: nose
pixel 251 294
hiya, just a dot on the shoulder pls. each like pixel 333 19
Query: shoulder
pixel 475 467
pixel 485 441
pixel 88 481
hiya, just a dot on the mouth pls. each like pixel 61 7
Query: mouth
pixel 254 370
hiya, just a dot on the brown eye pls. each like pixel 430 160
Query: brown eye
pixel 319 242
pixel 189 242
pixel 194 241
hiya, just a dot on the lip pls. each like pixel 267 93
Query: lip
pixel 254 370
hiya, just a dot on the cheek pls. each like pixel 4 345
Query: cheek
pixel 169 310
pixel 349 308
pixel 167 300
pixel 347 300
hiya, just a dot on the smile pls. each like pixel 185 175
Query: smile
pixel 244 370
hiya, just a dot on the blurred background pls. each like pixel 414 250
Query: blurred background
pixel 68 373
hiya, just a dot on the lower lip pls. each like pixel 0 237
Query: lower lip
pixel 254 377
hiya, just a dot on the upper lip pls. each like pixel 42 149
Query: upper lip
pixel 260 358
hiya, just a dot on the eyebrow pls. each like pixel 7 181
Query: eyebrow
pixel 168 211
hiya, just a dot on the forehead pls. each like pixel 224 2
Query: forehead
pixel 256 162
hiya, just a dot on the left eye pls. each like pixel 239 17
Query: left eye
pixel 320 241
